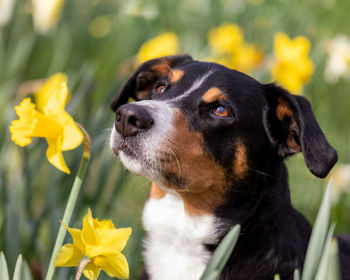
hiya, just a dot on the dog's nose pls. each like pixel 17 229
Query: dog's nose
pixel 131 119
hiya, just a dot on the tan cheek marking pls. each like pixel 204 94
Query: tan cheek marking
pixel 283 110
pixel 240 165
pixel 212 95
pixel 176 75
pixel 205 178
pixel 156 192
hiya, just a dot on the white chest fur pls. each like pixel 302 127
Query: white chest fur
pixel 174 244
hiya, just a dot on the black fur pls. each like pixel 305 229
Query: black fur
pixel 274 235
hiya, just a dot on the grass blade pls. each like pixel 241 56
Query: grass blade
pixel 4 273
pixel 322 270
pixel 318 236
pixel 18 268
pixel 333 265
pixel 296 275
pixel 221 254
pixel 22 271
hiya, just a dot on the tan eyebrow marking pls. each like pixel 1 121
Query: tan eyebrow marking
pixel 176 75
pixel 212 95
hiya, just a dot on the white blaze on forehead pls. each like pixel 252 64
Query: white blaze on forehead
pixel 196 84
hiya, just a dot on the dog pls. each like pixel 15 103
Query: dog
pixel 213 142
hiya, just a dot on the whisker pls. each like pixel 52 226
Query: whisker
pixel 262 173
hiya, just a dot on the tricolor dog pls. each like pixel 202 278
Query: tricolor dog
pixel 213 142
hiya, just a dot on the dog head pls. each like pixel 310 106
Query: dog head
pixel 200 129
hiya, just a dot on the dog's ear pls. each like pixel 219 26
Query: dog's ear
pixel 140 84
pixel 291 127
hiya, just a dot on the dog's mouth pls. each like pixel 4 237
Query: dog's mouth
pixel 137 157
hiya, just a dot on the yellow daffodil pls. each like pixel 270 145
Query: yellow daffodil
pixel 101 243
pixel 49 121
pixel 225 38
pixel 228 47
pixel 246 57
pixel 46 14
pixel 162 45
pixel 292 67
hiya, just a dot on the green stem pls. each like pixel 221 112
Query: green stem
pixel 70 204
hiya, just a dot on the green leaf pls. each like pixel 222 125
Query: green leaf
pixel 322 270
pixel 318 236
pixel 333 265
pixel 22 271
pixel 4 274
pixel 213 275
pixel 296 275
pixel 221 254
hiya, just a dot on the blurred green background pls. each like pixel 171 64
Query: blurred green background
pixel 94 42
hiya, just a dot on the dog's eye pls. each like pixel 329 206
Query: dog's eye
pixel 161 89
pixel 220 111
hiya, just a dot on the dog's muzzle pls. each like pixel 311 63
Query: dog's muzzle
pixel 132 119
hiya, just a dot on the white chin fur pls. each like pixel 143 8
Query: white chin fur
pixel 131 164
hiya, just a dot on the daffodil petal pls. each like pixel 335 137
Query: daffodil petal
pixel 76 235
pixel 91 271
pixel 115 239
pixel 56 101
pixel 68 255
pixel 162 45
pixel 88 232
pixel 115 265
pixel 72 135
pixel 225 38
pixel 56 81
pixel 54 154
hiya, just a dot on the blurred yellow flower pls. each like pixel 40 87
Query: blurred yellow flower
pixel 292 67
pixel 49 121
pixel 246 57
pixel 162 45
pixel 229 48
pixel 46 14
pixel 101 243
pixel 225 38
pixel 100 26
